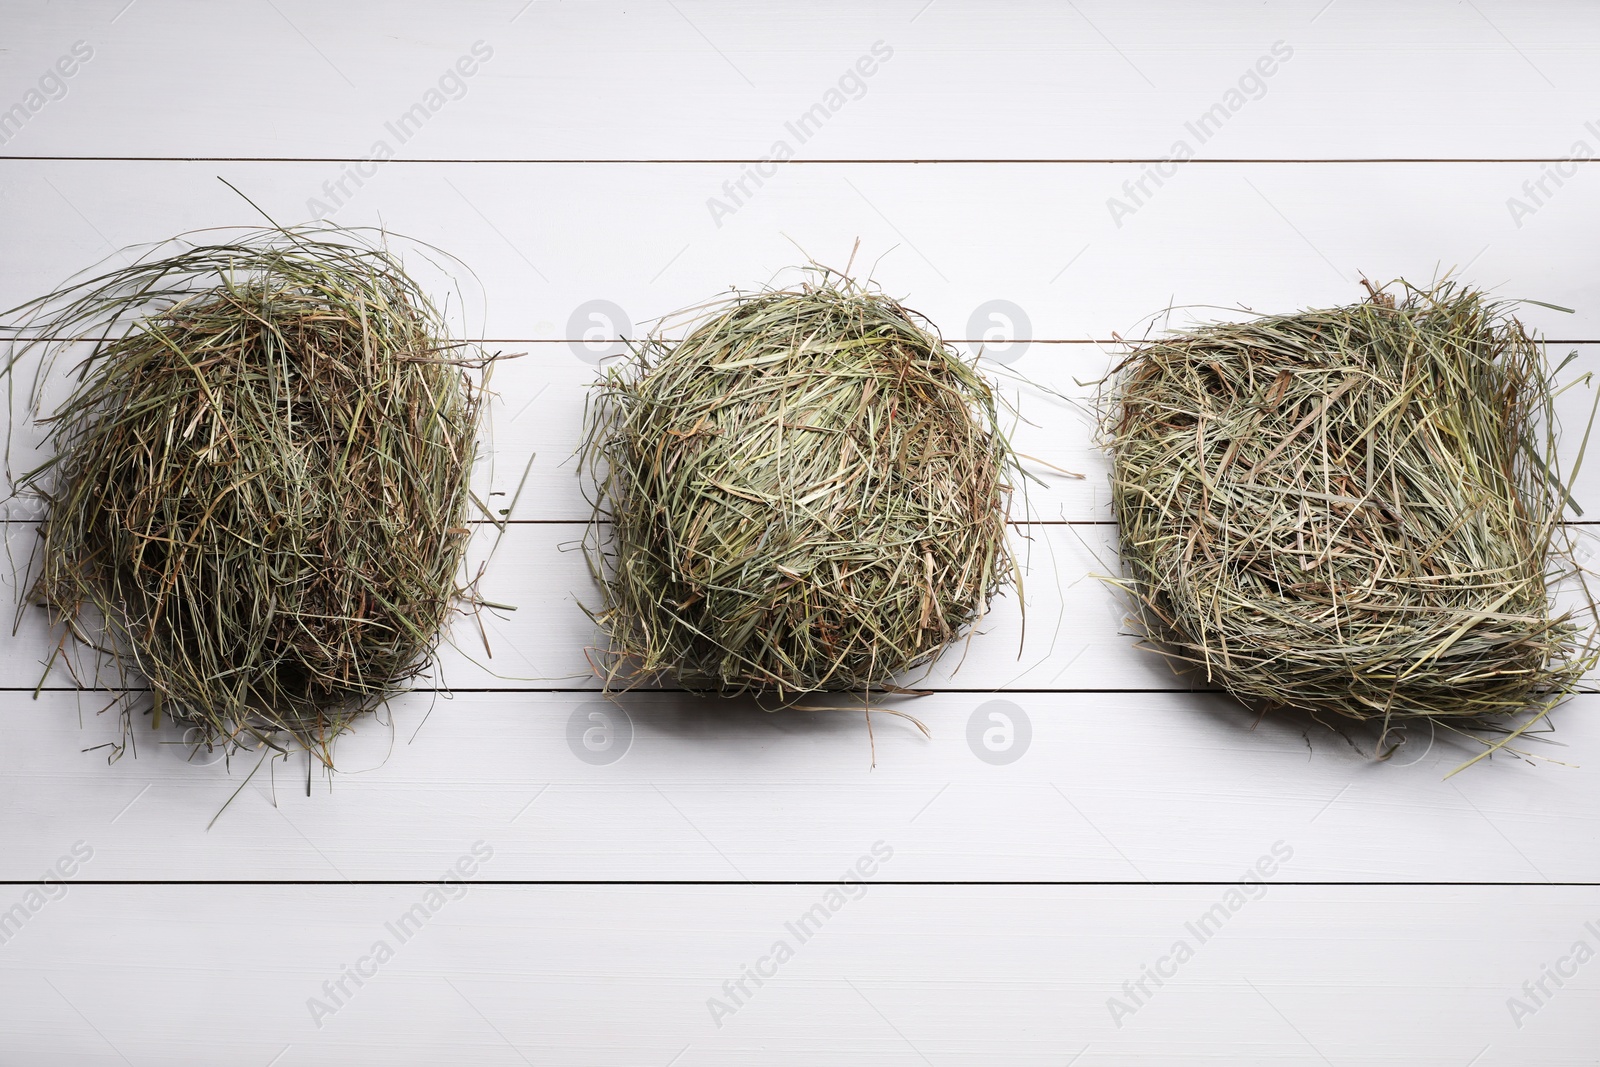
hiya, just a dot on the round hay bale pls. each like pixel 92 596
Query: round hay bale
pixel 259 492
pixel 1353 511
pixel 809 492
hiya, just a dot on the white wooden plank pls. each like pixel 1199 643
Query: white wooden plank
pixel 1389 219
pixel 1061 786
pixel 1418 976
pixel 1065 629
pixel 962 79
pixel 1071 639
pixel 547 239
pixel 1150 783
pixel 534 427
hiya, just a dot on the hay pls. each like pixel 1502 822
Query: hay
pixel 258 498
pixel 807 493
pixel 1353 511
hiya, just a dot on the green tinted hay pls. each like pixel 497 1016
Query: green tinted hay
pixel 807 493
pixel 1354 511
pixel 258 499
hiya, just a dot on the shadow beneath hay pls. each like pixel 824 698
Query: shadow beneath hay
pixel 1405 744
pixel 742 721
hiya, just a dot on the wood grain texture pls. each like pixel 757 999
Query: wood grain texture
pixel 718 79
pixel 1066 629
pixel 545 239
pixel 1071 635
pixel 1022 893
pixel 1003 233
pixel 1035 786
pixel 898 975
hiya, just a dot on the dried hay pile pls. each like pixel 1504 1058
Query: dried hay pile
pixel 258 497
pixel 1354 511
pixel 809 492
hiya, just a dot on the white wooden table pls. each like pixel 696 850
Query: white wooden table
pixel 1128 871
